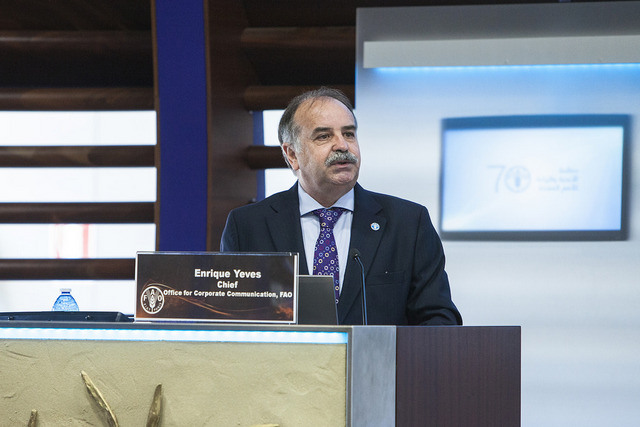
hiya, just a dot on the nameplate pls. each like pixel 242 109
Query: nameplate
pixel 216 287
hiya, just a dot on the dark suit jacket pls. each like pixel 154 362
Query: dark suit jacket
pixel 403 259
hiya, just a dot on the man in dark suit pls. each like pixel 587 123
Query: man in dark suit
pixel 406 283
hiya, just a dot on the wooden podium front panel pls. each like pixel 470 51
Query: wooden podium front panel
pixel 458 376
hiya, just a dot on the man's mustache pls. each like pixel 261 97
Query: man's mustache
pixel 341 157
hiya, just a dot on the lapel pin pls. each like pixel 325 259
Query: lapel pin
pixel 375 226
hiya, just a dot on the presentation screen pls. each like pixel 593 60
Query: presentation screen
pixel 551 177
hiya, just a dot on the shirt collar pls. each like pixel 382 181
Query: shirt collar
pixel 308 204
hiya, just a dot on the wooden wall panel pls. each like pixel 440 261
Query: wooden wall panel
pixel 75 55
pixel 68 269
pixel 76 98
pixel 232 183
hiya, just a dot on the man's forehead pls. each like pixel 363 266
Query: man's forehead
pixel 316 112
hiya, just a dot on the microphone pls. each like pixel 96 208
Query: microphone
pixel 355 254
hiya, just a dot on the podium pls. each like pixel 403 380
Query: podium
pixel 246 375
pixel 458 376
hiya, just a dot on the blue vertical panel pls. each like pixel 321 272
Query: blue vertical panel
pixel 182 116
pixel 258 139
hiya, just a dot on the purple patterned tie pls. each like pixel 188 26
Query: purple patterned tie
pixel 325 257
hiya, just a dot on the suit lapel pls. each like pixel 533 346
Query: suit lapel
pixel 367 229
pixel 284 226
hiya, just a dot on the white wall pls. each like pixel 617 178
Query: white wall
pixel 578 302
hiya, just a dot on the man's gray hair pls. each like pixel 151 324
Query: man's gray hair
pixel 289 130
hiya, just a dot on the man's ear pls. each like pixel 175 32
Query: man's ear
pixel 290 155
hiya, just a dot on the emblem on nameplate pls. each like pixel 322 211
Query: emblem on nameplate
pixel 152 299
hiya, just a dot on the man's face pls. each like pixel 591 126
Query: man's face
pixel 328 160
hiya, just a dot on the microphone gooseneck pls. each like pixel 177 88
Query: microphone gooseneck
pixel 355 254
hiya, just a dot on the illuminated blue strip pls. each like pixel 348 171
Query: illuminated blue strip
pixel 279 337
pixel 396 69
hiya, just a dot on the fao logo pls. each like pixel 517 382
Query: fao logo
pixel 152 299
pixel 518 179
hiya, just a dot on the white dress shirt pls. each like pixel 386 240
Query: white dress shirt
pixel 311 228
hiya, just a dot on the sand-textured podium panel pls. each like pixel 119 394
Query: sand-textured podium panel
pixel 204 383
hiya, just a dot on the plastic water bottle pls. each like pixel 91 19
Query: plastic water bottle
pixel 65 302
